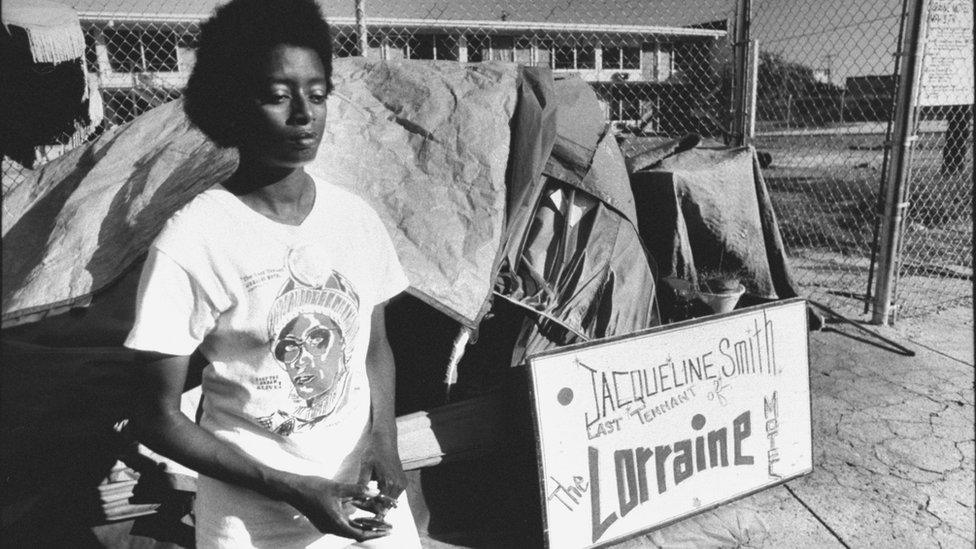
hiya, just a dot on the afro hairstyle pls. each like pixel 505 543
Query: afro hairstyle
pixel 237 34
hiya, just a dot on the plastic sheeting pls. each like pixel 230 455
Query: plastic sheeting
pixel 425 143
pixel 707 209
pixel 581 270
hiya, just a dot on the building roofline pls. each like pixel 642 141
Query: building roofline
pixel 445 24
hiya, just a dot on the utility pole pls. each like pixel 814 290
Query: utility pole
pixel 902 141
pixel 361 27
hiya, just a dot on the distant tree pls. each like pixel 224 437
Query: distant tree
pixel 789 86
pixel 779 78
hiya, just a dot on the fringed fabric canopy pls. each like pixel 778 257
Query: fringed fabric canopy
pixel 53 30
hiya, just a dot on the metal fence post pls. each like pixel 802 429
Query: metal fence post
pixel 752 91
pixel 740 76
pixel 903 138
pixel 361 27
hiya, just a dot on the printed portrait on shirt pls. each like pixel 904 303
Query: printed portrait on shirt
pixel 312 327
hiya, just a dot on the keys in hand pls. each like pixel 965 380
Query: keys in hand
pixel 379 505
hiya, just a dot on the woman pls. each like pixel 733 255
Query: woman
pixel 280 281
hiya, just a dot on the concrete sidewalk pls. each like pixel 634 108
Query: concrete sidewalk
pixel 893 447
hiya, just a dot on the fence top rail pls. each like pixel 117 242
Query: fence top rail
pixel 446 24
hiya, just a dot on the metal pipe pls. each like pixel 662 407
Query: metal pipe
pixel 740 50
pixel 903 139
pixel 752 91
pixel 361 27
pixel 885 158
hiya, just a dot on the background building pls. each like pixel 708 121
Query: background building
pixel 142 55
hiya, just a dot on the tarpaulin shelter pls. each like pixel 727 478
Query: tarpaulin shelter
pixel 44 94
pixel 704 210
pixel 580 268
pixel 433 167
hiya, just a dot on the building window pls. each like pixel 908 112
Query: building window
pixel 446 47
pixel 142 50
pixel 564 57
pixel 574 57
pixel 421 47
pixel 397 45
pixel 620 58
pixel 631 58
pixel 479 48
pixel 433 46
pixel 586 57
pixel 690 58
pixel 345 44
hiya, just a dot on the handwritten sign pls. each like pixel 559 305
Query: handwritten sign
pixel 643 430
pixel 947 62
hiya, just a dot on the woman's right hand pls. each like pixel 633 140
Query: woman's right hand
pixel 327 505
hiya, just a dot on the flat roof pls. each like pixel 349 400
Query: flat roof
pixel 673 17
pixel 440 24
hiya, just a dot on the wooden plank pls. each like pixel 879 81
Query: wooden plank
pixel 464 429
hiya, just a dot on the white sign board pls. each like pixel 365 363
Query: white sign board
pixel 947 64
pixel 649 428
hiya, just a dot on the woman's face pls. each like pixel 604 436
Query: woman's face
pixel 286 124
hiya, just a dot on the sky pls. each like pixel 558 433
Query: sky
pixel 844 37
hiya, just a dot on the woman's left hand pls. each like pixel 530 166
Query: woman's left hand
pixel 381 462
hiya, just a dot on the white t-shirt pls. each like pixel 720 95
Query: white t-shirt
pixel 283 315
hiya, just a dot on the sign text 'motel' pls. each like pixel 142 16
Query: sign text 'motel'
pixel 643 430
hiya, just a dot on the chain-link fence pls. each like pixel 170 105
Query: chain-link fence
pixel 657 68
pixel 825 93
pixel 935 261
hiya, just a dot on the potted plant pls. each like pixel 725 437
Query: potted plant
pixel 720 289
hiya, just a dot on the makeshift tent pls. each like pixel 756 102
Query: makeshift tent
pixel 432 166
